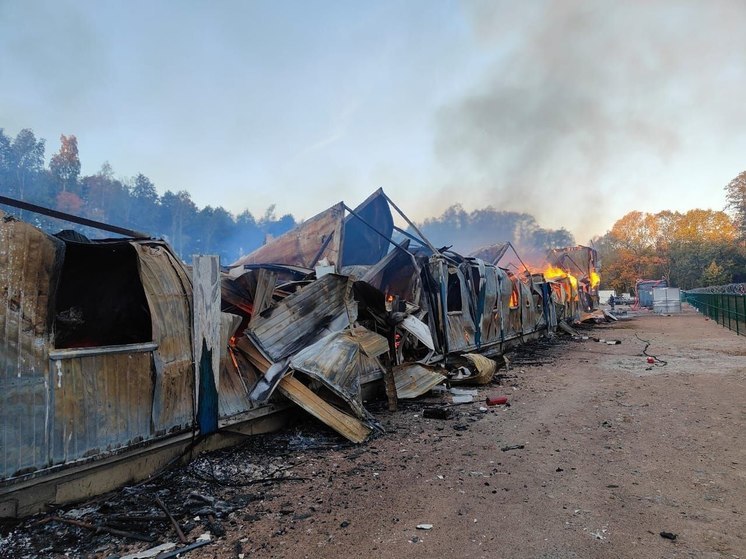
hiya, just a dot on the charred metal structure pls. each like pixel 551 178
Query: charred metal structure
pixel 103 380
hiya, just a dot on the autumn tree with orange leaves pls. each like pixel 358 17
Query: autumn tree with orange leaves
pixel 690 249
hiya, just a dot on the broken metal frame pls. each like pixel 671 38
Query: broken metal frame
pixel 73 218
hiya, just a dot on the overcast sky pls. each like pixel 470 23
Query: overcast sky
pixel 576 112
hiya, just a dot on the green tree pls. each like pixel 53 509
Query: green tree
pixel 715 274
pixel 145 205
pixel 106 199
pixel 5 163
pixel 248 235
pixel 468 231
pixel 26 162
pixel 178 214
pixel 735 197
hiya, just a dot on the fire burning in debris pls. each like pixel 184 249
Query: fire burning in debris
pixel 553 273
pixel 595 279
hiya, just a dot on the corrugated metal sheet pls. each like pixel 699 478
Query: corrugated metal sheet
pixel 413 380
pixel 100 402
pixel 528 309
pixel 460 324
pixel 512 324
pixel 169 293
pixel 304 317
pixel 489 329
pixel 492 254
pixel 316 238
pixel 419 330
pixel 233 394
pixel 30 262
pixel 336 361
pixel 486 368
pixel 666 300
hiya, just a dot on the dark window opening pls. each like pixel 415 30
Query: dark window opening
pixel 475 280
pixel 100 298
pixel 454 292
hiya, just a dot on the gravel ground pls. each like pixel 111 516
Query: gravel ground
pixel 599 454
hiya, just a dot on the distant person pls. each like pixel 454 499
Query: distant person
pixel 611 302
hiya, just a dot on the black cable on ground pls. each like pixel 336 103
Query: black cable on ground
pixel 658 362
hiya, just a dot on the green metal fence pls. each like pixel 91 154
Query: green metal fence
pixel 724 304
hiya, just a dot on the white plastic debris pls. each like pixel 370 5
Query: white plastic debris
pixel 464 391
pixel 424 526
pixel 152 552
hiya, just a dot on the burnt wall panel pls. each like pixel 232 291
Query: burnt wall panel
pixel 168 290
pixel 30 262
pixel 101 402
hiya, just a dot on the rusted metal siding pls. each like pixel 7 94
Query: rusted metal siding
pixel 511 317
pixel 316 238
pixel 169 293
pixel 30 262
pixel 233 393
pixel 528 309
pixel 486 302
pixel 304 317
pixel 100 402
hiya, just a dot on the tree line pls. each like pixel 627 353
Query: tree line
pixel 469 231
pixel 693 249
pixel 698 248
pixel 131 203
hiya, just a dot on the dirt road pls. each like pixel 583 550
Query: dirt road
pixel 612 452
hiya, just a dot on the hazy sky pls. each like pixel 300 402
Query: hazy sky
pixel 576 112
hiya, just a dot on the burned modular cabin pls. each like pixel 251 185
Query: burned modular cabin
pixel 97 378
pixel 582 262
pixel 96 350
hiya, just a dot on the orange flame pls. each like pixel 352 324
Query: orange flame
pixel 595 279
pixel 552 273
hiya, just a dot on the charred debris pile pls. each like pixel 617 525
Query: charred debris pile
pixel 334 305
